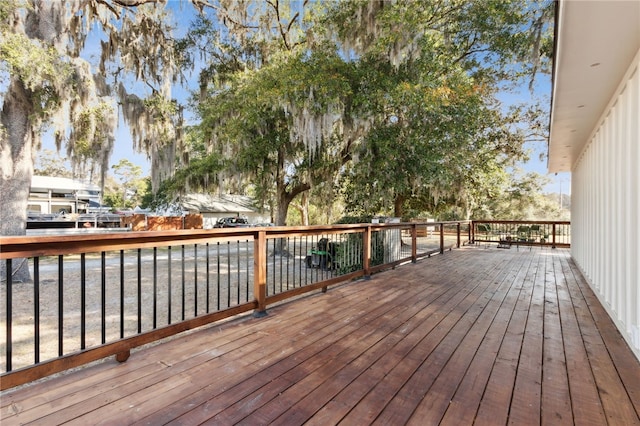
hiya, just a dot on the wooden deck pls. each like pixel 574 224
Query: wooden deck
pixel 477 336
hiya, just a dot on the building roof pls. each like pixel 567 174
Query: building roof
pixel 60 184
pixel 596 41
pixel 207 203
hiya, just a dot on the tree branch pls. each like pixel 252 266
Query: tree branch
pixel 281 30
pixel 132 3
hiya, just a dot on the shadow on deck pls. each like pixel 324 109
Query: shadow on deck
pixel 482 336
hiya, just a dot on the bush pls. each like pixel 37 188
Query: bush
pixel 349 252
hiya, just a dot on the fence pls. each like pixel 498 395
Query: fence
pixel 91 297
pixel 522 232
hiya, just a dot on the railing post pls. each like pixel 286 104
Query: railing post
pixel 553 235
pixel 470 233
pixel 458 233
pixel 366 252
pixel 414 243
pixel 441 238
pixel 260 273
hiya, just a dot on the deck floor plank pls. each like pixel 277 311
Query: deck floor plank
pixel 402 389
pixel 369 368
pixel 431 407
pixel 301 355
pixel 497 396
pixel 241 365
pixel 525 402
pixel 585 401
pixel 232 348
pixel 596 329
pixel 556 398
pixel 409 304
pixel 352 394
pixel 476 336
pixel 475 381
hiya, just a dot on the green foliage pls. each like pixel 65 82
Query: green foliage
pixel 348 254
pixel 391 103
pixel 91 129
pixel 129 188
pixel 113 199
pixel 349 251
pixel 39 67
pixel 50 163
pixel 160 108
pixel 199 175
pixel 521 198
pixel 442 141
pixel 354 219
pixel 147 199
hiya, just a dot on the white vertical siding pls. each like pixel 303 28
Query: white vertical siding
pixel 606 208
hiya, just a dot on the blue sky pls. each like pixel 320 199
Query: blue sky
pixel 560 182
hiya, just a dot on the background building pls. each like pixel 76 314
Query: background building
pixel 595 134
pixel 53 195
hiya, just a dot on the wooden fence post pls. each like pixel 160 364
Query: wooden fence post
pixel 458 233
pixel 472 232
pixel 441 238
pixel 414 243
pixel 260 273
pixel 366 252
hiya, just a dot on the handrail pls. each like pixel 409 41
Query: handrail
pixel 522 232
pixel 138 287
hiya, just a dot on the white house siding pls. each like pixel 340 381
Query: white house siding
pixel 605 217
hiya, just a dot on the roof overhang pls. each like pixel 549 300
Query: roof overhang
pixel 596 42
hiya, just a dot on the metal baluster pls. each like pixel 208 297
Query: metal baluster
pixel 228 274
pixel 306 248
pixel 36 309
pixel 83 300
pixel 248 268
pixel 293 272
pixel 155 288
pixel 121 294
pixel 195 280
pixel 208 280
pixel 103 300
pixel 274 259
pixel 218 279
pixel 9 348
pixel 169 285
pixel 274 265
pixel 238 267
pixel 60 304
pixel 139 290
pixel 183 283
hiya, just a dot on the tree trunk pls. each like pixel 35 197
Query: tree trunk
pixel 305 208
pixel 398 206
pixel 284 201
pixel 280 247
pixel 17 152
pixel 283 208
pixel 285 195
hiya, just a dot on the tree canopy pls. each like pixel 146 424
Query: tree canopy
pixel 394 98
pixel 388 103
pixel 48 83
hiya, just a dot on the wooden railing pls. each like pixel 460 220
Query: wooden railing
pixel 93 296
pixel 522 232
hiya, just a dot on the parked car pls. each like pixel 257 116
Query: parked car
pixel 231 222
